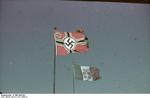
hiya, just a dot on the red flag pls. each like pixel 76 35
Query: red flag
pixel 70 42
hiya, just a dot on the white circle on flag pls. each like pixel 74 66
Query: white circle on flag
pixel 69 43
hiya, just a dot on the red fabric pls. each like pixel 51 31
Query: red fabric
pixel 81 48
pixel 78 35
pixel 61 51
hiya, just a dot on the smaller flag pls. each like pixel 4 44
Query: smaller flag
pixel 86 73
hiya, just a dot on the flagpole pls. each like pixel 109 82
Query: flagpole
pixel 54 71
pixel 54 68
pixel 73 80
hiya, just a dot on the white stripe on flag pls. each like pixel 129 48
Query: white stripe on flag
pixel 86 73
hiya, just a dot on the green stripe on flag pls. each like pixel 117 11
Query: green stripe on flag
pixel 78 72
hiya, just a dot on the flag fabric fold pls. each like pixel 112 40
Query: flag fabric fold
pixel 70 42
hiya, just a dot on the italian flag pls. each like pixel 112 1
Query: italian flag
pixel 87 73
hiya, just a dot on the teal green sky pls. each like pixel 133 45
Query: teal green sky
pixel 119 39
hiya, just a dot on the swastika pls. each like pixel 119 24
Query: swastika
pixel 69 43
